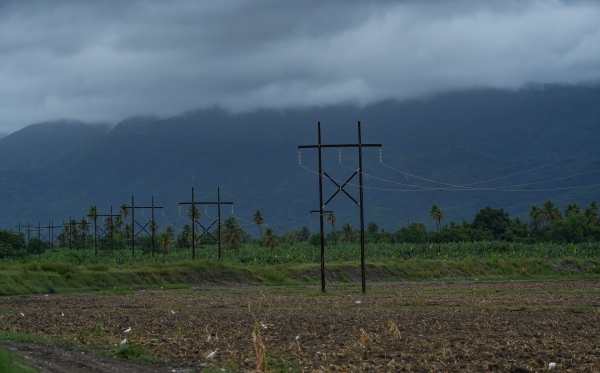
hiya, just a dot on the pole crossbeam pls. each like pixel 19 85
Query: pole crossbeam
pixel 339 146
pixel 50 228
pixel 360 203
pixel 217 220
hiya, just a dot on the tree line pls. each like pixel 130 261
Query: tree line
pixel 547 223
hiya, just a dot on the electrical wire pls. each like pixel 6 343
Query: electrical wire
pixel 465 189
pixel 168 222
pixel 458 187
pixel 498 178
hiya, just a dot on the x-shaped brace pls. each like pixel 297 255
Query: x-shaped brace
pixel 206 230
pixel 340 188
pixel 143 228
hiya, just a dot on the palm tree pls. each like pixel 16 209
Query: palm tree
pixel 232 233
pixel 270 239
pixel 534 216
pixel 119 222
pixel 572 210
pixel 331 219
pixel 85 229
pixel 549 212
pixel 437 215
pixel 304 234
pixel 193 210
pixel 124 211
pixel 165 241
pixel 170 232
pixel 347 233
pixel 591 213
pixel 258 219
pixel 154 227
pixel 182 238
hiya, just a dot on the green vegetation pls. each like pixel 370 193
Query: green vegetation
pixel 8 364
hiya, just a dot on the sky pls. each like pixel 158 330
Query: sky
pixel 103 61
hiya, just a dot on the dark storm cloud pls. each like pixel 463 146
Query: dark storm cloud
pixel 103 61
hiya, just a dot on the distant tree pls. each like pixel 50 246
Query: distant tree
pixel 124 211
pixel 233 233
pixel 270 239
pixel 572 209
pixel 109 227
pixel 170 232
pixel 348 233
pixel 154 227
pixel 591 213
pixel 372 228
pixel 573 229
pixel 182 238
pixel 119 222
pixel 85 228
pixel 331 219
pixel 165 241
pixel 193 212
pixel 437 215
pixel 11 245
pixel 258 219
pixel 304 234
pixel 492 220
pixel 534 216
pixel 414 233
pixel 549 213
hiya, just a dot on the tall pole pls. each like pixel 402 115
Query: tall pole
pixel 112 232
pixel 219 219
pixel 362 213
pixel 322 227
pixel 132 228
pixel 193 227
pixel 95 231
pixel 152 226
pixel 52 236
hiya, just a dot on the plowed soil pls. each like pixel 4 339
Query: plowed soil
pixel 461 327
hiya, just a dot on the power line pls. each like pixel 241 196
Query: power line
pixel 465 189
pixel 498 178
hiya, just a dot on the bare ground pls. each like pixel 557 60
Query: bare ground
pixel 462 327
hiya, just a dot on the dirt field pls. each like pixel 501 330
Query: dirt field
pixel 462 327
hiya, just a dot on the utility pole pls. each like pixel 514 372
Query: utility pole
pixel 50 228
pixel 206 230
pixel 70 231
pixel 320 146
pixel 112 238
pixel 28 230
pixel 142 227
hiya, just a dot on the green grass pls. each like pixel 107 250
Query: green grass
pixel 125 279
pixel 9 364
pixel 133 351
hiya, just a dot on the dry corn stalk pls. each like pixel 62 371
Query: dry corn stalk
pixel 364 337
pixel 259 348
pixel 393 330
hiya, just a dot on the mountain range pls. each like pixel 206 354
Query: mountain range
pixel 53 170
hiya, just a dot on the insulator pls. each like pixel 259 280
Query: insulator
pixel 380 156
pixel 205 209
pixel 299 157
pixel 340 155
pixel 232 209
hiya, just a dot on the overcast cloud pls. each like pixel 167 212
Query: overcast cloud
pixel 101 61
